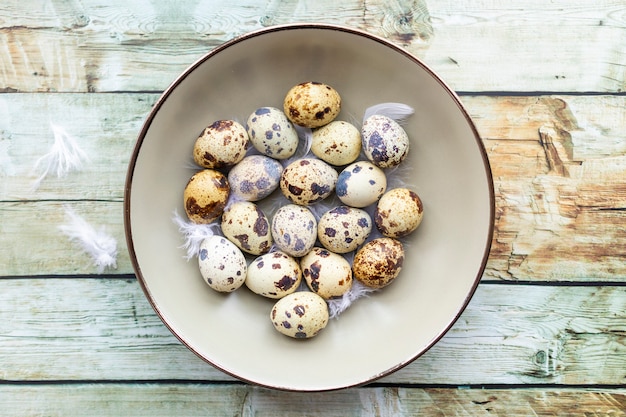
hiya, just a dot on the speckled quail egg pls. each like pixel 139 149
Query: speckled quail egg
pixel 399 212
pixel 274 275
pixel 385 142
pixel 205 196
pixel 307 180
pixel 255 177
pixel 327 274
pixel 271 133
pixel 294 229
pixel 337 143
pixel 245 224
pixel 301 315
pixel 343 229
pixel 222 265
pixel 378 262
pixel 312 104
pixel 361 184
pixel 221 144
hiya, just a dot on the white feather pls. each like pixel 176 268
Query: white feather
pixel 305 135
pixel 396 111
pixel 339 305
pixel 194 233
pixel 64 156
pixel 305 139
pixel 98 244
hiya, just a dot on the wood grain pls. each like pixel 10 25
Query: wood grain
pixel 140 46
pixel 56 329
pixel 245 401
pixel 76 344
pixel 558 165
pixel 105 127
pixel 560 175
pixel 31 242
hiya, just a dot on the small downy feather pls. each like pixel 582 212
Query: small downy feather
pixel 194 233
pixel 305 135
pixel 305 139
pixel 396 111
pixel 98 244
pixel 339 305
pixel 64 156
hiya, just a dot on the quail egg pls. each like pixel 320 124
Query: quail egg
pixel 255 177
pixel 221 144
pixel 378 262
pixel 245 224
pixel 307 180
pixel 399 212
pixel 274 275
pixel 337 143
pixel 343 229
pixel 222 265
pixel 294 229
pixel 327 274
pixel 205 196
pixel 312 104
pixel 271 133
pixel 301 315
pixel 385 142
pixel 361 184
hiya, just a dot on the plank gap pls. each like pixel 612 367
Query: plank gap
pixel 477 93
pixel 60 200
pixel 555 386
pixel 121 276
pixel 504 93
pixel 217 382
pixel 530 283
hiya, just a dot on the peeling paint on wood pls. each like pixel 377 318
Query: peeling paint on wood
pixel 553 191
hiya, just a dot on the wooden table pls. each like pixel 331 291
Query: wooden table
pixel 545 83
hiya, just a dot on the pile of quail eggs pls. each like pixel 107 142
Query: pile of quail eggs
pixel 329 201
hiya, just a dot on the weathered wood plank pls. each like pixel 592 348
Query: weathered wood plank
pixel 32 244
pixel 104 329
pixel 143 46
pixel 245 401
pixel 104 127
pixel 558 164
pixel 588 130
pixel 560 174
pixel 91 47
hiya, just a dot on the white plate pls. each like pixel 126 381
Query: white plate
pixel 445 258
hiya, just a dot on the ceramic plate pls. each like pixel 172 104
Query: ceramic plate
pixel 445 258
